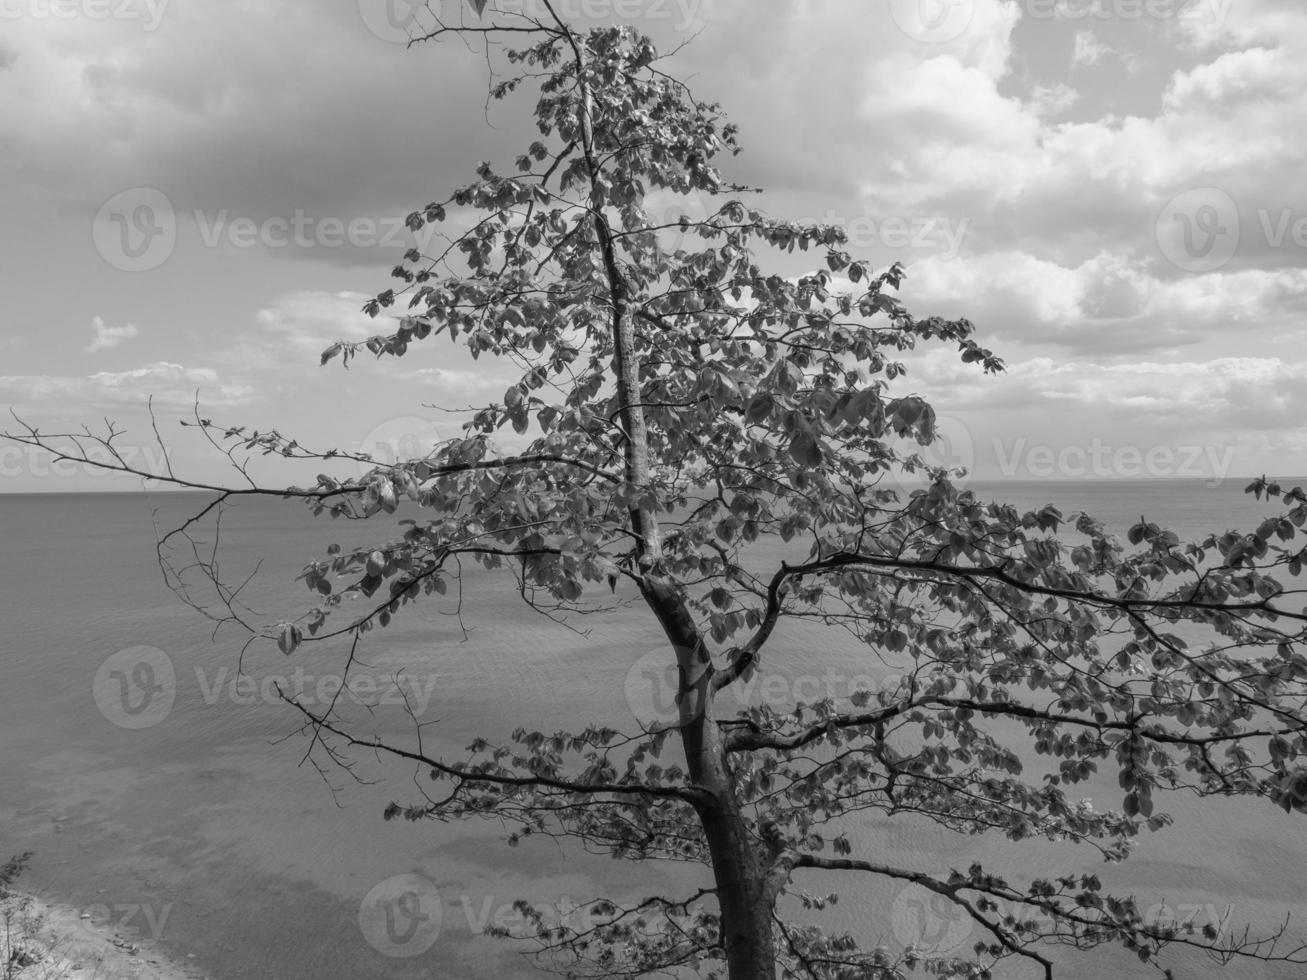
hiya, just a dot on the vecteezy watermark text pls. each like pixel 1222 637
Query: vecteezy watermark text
pixel 942 21
pixel 149 13
pixel 1099 459
pixel 939 927
pixel 22 460
pixel 937 234
pixel 137 230
pixel 652 683
pixel 404 915
pixel 131 920
pixel 138 687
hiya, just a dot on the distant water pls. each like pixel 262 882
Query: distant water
pixel 203 830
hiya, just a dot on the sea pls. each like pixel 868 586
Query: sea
pixel 162 784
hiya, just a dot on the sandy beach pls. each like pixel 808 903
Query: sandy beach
pixel 47 941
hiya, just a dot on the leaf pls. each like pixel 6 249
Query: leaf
pixel 805 450
pixel 290 638
pixel 1131 805
pixel 760 408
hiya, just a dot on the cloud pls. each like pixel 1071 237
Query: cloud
pixel 1188 418
pixel 300 325
pixel 170 387
pixel 1108 305
pixel 1050 100
pixel 1088 49
pixel 107 337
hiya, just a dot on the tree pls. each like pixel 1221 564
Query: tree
pixel 683 404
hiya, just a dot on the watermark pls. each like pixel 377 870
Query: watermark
pixel 932 923
pixel 399 440
pixel 22 460
pixel 322 690
pixel 1198 229
pixel 401 21
pixel 148 13
pixel 678 217
pixel 1210 13
pixel 951 449
pixel 300 229
pixel 488 915
pixel 1021 460
pixel 137 230
pixel 404 916
pixel 131 920
pixel 933 21
pixel 938 927
pixel 938 234
pixel 652 683
pixel 401 916
pixel 942 21
pixel 135 688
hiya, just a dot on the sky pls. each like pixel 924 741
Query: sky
pixel 200 195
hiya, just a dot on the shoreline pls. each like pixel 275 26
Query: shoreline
pixel 62 943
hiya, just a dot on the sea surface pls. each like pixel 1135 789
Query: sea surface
pixel 199 820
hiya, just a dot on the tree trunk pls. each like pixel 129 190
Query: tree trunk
pixel 743 899
pixel 746 910
pixel 744 904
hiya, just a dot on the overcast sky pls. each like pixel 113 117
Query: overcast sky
pixel 199 195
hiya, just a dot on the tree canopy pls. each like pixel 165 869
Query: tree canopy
pixel 680 403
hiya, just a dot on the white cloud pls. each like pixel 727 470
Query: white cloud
pixel 1049 100
pixel 1109 303
pixel 1088 49
pixel 171 387
pixel 1235 77
pixel 298 326
pixel 107 337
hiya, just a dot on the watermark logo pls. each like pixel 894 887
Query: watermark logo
pixel 652 683
pixel 932 21
pixel 929 921
pixel 135 688
pixel 677 220
pixel 401 916
pixel 136 229
pixel 397 21
pixel 148 13
pixel 952 448
pixel 1198 230
pixel 399 440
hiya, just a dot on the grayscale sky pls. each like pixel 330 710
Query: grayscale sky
pixel 199 196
